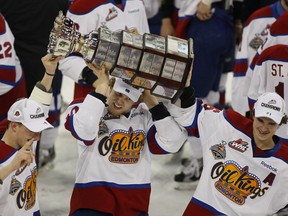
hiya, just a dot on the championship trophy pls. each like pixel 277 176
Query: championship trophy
pixel 160 64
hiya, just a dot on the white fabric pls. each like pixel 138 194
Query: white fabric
pixel 152 7
pixel 270 105
pixel 128 90
pixel 30 113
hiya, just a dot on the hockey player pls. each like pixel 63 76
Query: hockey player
pixel 245 164
pixel 255 33
pixel 278 34
pixel 90 15
pixel 26 119
pixel 115 139
pixel 211 25
pixel 269 75
pixel 12 80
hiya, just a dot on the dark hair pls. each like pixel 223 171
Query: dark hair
pixel 283 120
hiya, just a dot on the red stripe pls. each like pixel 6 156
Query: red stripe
pixel 81 91
pixel 6 151
pixel 261 13
pixel 240 67
pixel 10 97
pixel 152 143
pixel 240 122
pixel 8 74
pixel 283 151
pixel 112 200
pixel 280 26
pixel 2 25
pixel 84 6
pixel 194 209
pixel 181 27
pixel 276 52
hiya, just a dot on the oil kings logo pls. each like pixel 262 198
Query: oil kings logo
pixel 124 146
pixel 236 183
pixel 26 197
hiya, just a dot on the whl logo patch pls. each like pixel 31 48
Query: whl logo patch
pixel 238 145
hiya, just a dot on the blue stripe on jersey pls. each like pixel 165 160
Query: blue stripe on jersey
pixel 206 206
pixel 193 128
pixel 111 184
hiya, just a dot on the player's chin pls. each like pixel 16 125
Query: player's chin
pixel 115 111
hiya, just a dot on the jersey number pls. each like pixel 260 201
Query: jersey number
pixel 5 50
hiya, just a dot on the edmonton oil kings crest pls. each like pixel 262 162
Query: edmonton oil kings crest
pixel 25 194
pixel 123 146
pixel 236 183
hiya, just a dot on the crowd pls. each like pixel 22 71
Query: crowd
pixel 238 150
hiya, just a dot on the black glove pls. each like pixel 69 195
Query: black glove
pixel 88 76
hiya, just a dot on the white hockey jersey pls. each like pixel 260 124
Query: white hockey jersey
pixel 90 15
pixel 12 81
pixel 254 34
pixel 113 170
pixel 18 192
pixel 277 34
pixel 10 68
pixel 238 178
pixel 270 74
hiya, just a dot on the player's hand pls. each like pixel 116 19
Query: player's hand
pixel 50 63
pixel 24 156
pixel 204 12
pixel 149 99
pixel 101 85
pixel 166 27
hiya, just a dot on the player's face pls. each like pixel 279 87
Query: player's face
pixel 119 104
pixel 24 135
pixel 264 128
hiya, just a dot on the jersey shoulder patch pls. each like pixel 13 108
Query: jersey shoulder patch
pixel 80 7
